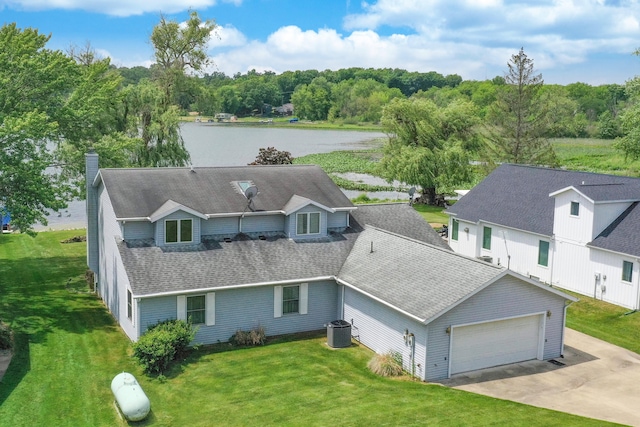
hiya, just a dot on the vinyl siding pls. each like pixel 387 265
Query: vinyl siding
pixel 337 220
pixel 568 227
pixel 247 308
pixel 159 226
pixel 263 223
pixel 216 226
pixel 112 278
pixel 381 328
pixel 466 243
pixel 508 297
pixel 133 230
pixel 611 286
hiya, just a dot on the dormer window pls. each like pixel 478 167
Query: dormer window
pixel 308 223
pixel 178 231
pixel 575 209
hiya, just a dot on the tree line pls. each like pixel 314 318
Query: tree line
pixel 56 105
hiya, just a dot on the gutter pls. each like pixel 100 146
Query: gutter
pixel 248 285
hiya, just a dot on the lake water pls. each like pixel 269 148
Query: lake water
pixel 222 145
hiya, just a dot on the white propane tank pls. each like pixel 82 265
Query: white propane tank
pixel 133 403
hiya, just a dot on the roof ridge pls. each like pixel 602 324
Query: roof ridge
pixel 570 171
pixel 447 251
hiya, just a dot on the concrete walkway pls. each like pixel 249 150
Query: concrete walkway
pixel 597 380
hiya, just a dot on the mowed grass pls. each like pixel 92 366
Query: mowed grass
pixel 432 214
pixel 69 350
pixel 611 323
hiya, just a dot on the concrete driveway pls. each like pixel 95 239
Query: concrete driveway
pixel 596 380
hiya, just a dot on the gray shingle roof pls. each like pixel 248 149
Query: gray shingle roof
pixel 518 196
pixel 399 218
pixel 153 270
pixel 622 235
pixel 137 193
pixel 420 279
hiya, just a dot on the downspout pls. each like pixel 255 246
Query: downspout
pixel 566 306
pixel 553 259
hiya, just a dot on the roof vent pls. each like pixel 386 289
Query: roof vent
pixel 227 240
pixel 262 237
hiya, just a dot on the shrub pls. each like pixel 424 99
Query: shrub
pixel 387 364
pixel 254 337
pixel 6 336
pixel 163 343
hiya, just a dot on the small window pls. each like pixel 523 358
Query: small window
pixel 575 208
pixel 308 223
pixel 178 230
pixel 543 253
pixel 290 299
pixel 486 238
pixel 627 271
pixel 454 229
pixel 129 305
pixel 196 309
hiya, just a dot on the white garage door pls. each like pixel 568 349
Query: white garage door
pixel 500 342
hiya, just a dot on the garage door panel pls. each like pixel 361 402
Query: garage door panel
pixel 494 343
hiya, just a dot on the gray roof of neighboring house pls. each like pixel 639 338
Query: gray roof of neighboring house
pixel 426 280
pixel 517 196
pixel 137 193
pixel 622 235
pixel 153 270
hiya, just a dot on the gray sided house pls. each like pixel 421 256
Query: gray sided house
pixel 283 248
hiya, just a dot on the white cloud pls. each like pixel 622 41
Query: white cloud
pixel 226 36
pixel 114 7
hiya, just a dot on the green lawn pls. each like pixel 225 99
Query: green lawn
pixel 69 349
pixel 617 325
pixel 432 214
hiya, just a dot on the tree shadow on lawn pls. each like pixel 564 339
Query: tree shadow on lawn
pixel 36 302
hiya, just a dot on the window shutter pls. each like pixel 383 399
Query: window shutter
pixel 304 298
pixel 277 301
pixel 210 306
pixel 182 307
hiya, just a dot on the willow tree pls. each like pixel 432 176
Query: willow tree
pixel 429 146
pixel 519 120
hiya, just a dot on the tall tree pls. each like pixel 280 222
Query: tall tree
pixel 429 146
pixel 33 84
pixel 519 119
pixel 179 49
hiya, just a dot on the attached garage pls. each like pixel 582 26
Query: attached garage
pixel 446 313
pixel 494 343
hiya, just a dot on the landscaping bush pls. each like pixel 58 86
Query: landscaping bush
pixel 254 337
pixel 163 343
pixel 6 336
pixel 387 364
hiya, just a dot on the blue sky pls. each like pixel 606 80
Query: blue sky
pixel 588 41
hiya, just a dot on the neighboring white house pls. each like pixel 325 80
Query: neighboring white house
pixel 576 230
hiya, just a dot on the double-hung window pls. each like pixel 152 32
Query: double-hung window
pixel 196 309
pixel 308 223
pixel 627 271
pixel 290 299
pixel 178 231
pixel 543 253
pixel 454 229
pixel 486 238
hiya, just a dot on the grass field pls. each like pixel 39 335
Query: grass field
pixel 594 155
pixel 69 350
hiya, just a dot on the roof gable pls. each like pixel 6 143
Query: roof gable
pixel 296 203
pixel 170 207
pixel 518 196
pixel 623 234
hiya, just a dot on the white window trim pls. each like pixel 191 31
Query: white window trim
pixel 178 242
pixel 484 227
pixel 622 279
pixel 209 308
pixel 548 251
pixel 303 300
pixel 308 215
pixel 570 205
pixel 130 304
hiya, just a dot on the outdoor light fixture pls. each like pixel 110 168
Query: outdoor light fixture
pixel 466 229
